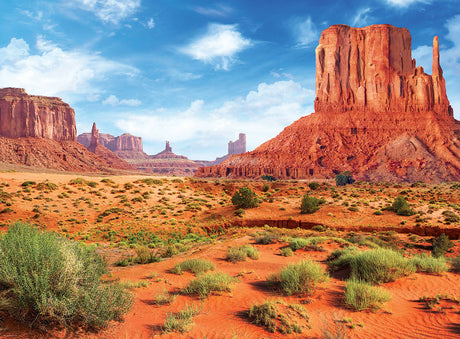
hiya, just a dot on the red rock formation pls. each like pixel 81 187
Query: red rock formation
pixel 376 115
pixel 167 153
pixel 94 139
pixel 23 115
pixel 237 146
pixel 126 146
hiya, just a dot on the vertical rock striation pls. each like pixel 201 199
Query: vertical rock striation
pixel 23 115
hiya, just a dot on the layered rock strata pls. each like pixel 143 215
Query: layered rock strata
pixel 23 115
pixel 377 115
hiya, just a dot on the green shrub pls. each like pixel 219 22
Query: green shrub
pixel 268 178
pixel 28 183
pixel 300 278
pixel 456 264
pixel 401 207
pixel 194 266
pixel 207 283
pixel 245 198
pixel 363 296
pixel 264 314
pixel 278 315
pixel 266 238
pixel 266 188
pixel 441 245
pixel 239 212
pixel 375 266
pixel 425 263
pixel 344 178
pixel 235 254
pixel 309 204
pixel 378 212
pixel 164 297
pixel 48 279
pixel 298 243
pixel 313 185
pixel 286 252
pixel 450 216
pixel 181 321
pixel 145 255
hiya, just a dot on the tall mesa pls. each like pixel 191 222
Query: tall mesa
pixel 377 115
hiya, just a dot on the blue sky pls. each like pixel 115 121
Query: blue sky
pixel 193 72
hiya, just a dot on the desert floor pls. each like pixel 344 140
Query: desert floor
pixel 180 218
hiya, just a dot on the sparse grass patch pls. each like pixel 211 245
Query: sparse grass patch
pixel 277 315
pixel 181 321
pixel 195 266
pixel 208 283
pixel 374 266
pixel 300 278
pixel 164 297
pixel 429 264
pixel 235 254
pixel 362 296
pixel 286 252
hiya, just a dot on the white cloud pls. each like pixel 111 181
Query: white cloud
pixel 218 46
pixel 112 100
pixel 151 23
pixel 261 114
pixel 112 11
pixel 219 10
pixel 404 3
pixel 362 17
pixel 54 71
pixel 305 32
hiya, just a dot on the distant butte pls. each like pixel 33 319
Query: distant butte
pixel 40 132
pixel 377 115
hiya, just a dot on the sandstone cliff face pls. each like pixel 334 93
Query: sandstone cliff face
pixel 23 115
pixel 376 115
pixel 122 143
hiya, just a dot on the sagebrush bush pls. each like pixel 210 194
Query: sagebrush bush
pixel 300 278
pixel 235 254
pixel 313 185
pixel 286 252
pixel 441 245
pixel 401 207
pixel 428 264
pixel 194 266
pixel 207 283
pixel 245 198
pixel 456 264
pixel 344 178
pixel 48 279
pixel 362 296
pixel 264 314
pixel 309 204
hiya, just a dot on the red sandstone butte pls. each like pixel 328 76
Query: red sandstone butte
pixel 40 132
pixel 23 115
pixel 377 115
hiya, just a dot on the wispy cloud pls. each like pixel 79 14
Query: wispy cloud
pixel 112 11
pixel 305 32
pixel 262 114
pixel 362 18
pixel 219 10
pixel 112 100
pixel 218 46
pixel 54 71
pixel 151 23
pixel 405 3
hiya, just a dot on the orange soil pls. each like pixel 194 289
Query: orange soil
pixel 223 316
